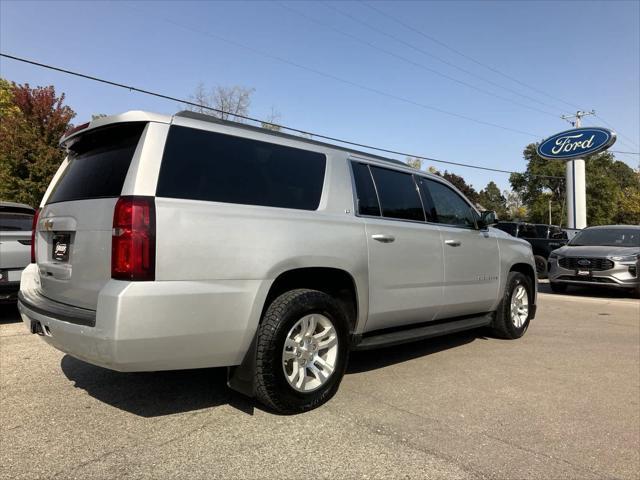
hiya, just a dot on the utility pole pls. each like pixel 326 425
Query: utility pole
pixel 550 212
pixel 575 184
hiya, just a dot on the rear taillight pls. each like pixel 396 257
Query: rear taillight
pixel 34 225
pixel 133 241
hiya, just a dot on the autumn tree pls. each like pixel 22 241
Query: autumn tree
pixel 414 162
pixel 32 121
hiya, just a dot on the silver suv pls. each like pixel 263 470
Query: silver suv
pixel 603 256
pixel 175 242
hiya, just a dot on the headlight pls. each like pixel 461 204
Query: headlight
pixel 625 258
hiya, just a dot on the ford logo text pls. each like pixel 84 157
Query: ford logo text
pixel 576 143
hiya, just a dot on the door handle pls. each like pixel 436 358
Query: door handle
pixel 453 243
pixel 383 238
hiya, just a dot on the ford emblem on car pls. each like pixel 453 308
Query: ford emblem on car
pixel 583 262
pixel 576 143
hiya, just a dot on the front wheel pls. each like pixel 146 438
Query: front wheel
pixel 541 266
pixel 302 351
pixel 514 312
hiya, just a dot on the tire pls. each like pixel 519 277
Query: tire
pixel 503 326
pixel 541 266
pixel 280 321
pixel 558 287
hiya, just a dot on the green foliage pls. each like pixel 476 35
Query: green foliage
pixel 459 183
pixel 610 185
pixel 32 120
pixel 492 199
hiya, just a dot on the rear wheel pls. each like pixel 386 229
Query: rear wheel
pixel 302 351
pixel 541 266
pixel 558 287
pixel 514 312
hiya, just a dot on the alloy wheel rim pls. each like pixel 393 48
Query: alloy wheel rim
pixel 519 306
pixel 310 353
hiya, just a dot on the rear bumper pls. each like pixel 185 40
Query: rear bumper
pixel 149 326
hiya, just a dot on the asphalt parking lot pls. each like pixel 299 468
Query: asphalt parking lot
pixel 562 402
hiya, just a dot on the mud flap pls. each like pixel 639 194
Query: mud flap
pixel 241 378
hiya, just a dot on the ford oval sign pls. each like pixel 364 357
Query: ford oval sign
pixel 576 143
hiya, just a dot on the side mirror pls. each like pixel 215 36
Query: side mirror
pixel 487 218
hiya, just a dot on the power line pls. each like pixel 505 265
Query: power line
pixel 619 133
pixel 408 60
pixel 132 88
pixel 625 153
pixel 464 55
pixel 440 59
pixel 468 57
pixel 335 77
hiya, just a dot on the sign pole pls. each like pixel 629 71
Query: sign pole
pixel 576 184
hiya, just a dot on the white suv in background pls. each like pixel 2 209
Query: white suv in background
pixel 16 220
pixel 175 242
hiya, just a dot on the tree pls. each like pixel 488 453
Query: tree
pixel 33 121
pixel 609 184
pixel 492 199
pixel 514 206
pixel 459 183
pixel 414 162
pixel 230 103
pixel 272 120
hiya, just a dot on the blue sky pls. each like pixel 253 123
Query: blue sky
pixel 586 54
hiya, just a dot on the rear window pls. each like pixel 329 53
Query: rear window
pixel 98 163
pixel 15 221
pixel 202 165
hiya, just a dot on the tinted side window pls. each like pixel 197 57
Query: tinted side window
pixel 398 194
pixel 365 190
pixel 98 163
pixel 427 201
pixel 451 208
pixel 202 165
pixel 510 228
pixel 528 231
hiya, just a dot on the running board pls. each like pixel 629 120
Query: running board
pixel 388 338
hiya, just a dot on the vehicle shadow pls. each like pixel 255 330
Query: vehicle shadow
pixel 154 394
pixel 9 313
pixel 367 360
pixel 586 291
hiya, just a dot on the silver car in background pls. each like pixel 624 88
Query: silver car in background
pixel 605 256
pixel 15 246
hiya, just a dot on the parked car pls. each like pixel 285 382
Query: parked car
pixel 16 220
pixel 542 237
pixel 605 256
pixel 184 242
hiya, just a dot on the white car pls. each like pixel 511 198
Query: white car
pixel 174 242
pixel 16 220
